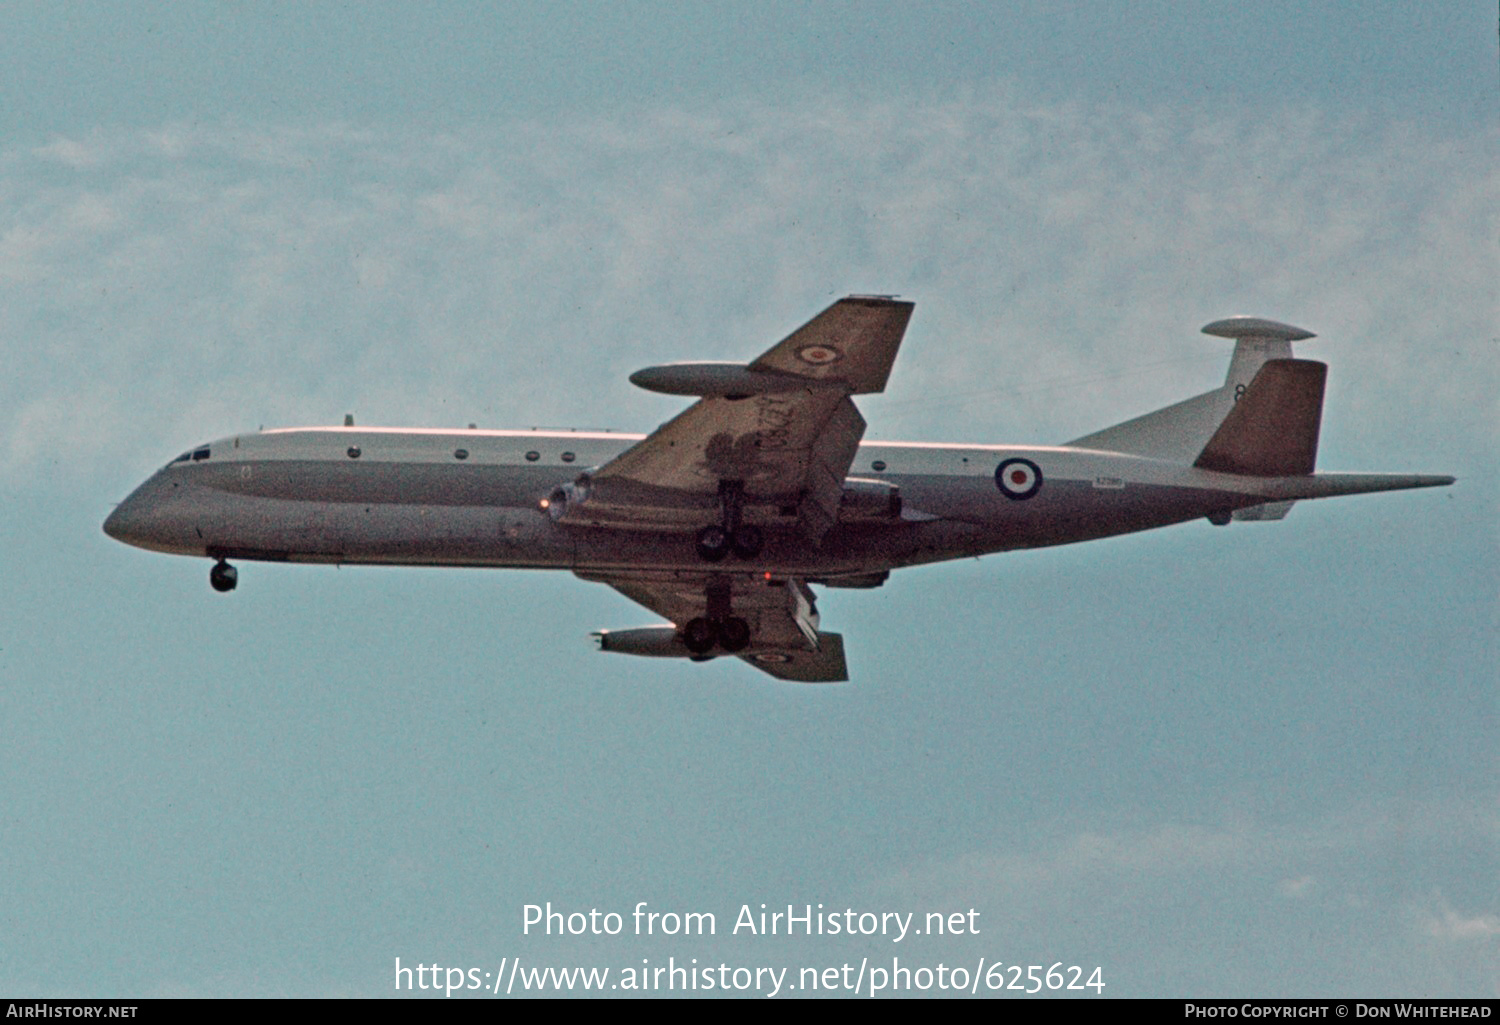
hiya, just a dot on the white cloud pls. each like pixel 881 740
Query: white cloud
pixel 69 152
pixel 1301 886
pixel 216 277
pixel 1445 923
pixel 1307 859
pixel 1323 904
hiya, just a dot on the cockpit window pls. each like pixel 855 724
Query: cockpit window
pixel 196 455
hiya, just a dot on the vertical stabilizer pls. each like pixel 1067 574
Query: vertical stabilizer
pixel 1273 430
pixel 1182 430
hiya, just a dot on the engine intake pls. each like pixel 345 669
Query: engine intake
pixel 567 496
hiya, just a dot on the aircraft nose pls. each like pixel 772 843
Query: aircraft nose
pixel 148 519
pixel 126 523
pixel 114 524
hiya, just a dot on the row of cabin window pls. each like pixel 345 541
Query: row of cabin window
pixel 458 453
pixel 200 454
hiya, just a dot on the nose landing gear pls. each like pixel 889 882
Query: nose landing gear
pixel 223 577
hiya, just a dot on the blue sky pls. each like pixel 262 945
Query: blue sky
pixel 1259 759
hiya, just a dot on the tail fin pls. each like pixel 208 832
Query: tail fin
pixel 1273 430
pixel 1182 431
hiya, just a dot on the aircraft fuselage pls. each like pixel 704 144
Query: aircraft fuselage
pixel 481 498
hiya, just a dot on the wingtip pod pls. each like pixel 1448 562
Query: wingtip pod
pixel 655 641
pixel 711 380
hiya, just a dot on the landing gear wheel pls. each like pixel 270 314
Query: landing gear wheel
pixel 713 544
pixel 748 541
pixel 699 635
pixel 734 634
pixel 223 577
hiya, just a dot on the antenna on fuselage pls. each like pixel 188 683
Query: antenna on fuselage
pixel 348 419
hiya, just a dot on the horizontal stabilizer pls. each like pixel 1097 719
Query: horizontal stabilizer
pixel 1334 485
pixel 1273 430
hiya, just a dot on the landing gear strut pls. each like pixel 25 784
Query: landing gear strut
pixel 744 539
pixel 223 577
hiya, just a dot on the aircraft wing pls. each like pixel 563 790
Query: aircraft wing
pixel 790 443
pixel 784 637
pixel 853 342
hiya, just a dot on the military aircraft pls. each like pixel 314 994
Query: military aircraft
pixel 721 519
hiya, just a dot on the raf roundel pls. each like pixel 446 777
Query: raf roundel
pixel 1018 478
pixel 819 355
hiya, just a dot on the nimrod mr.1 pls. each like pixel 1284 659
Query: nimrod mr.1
pixel 721 519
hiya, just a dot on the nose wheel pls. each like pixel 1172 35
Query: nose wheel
pixel 223 577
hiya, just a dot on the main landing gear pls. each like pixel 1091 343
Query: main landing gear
pixel 730 633
pixel 744 539
pixel 223 577
pixel 719 627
